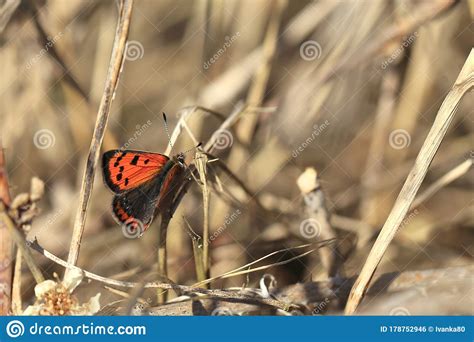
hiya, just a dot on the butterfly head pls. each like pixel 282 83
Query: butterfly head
pixel 179 158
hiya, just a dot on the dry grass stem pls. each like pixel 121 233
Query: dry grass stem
pixel 223 294
pixel 457 172
pixel 245 269
pixel 201 165
pixel 315 207
pixel 374 164
pixel 16 288
pixel 6 242
pixel 116 62
pixel 337 291
pixel 21 243
pixel 464 83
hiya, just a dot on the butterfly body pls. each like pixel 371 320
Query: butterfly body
pixel 143 182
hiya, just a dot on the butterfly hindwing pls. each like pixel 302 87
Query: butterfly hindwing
pixel 135 209
pixel 127 169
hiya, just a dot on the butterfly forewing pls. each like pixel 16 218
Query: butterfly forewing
pixel 127 170
pixel 170 186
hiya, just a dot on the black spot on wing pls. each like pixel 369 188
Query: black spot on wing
pixel 135 160
pixel 106 168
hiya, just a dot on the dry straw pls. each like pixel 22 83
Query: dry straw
pixel 463 84
pixel 6 250
pixel 115 67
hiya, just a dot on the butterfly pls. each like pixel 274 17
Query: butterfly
pixel 142 183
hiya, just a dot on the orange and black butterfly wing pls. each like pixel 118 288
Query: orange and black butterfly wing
pixel 127 170
pixel 171 184
pixel 143 182
pixel 134 209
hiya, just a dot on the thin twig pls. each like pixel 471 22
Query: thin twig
pixel 166 217
pixel 373 166
pixel 356 226
pixel 123 294
pixel 6 243
pixel 196 240
pixel 252 196
pixel 223 294
pixel 311 294
pixel 239 109
pixel 246 270
pixel 318 226
pixel 111 82
pixel 21 243
pixel 44 40
pixel 16 288
pixel 36 246
pixel 22 211
pixel 184 114
pixel 464 83
pixel 446 179
pixel 209 147
pixel 201 165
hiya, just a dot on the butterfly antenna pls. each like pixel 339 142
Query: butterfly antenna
pixel 193 148
pixel 165 120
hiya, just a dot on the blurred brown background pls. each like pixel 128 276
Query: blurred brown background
pixel 331 77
